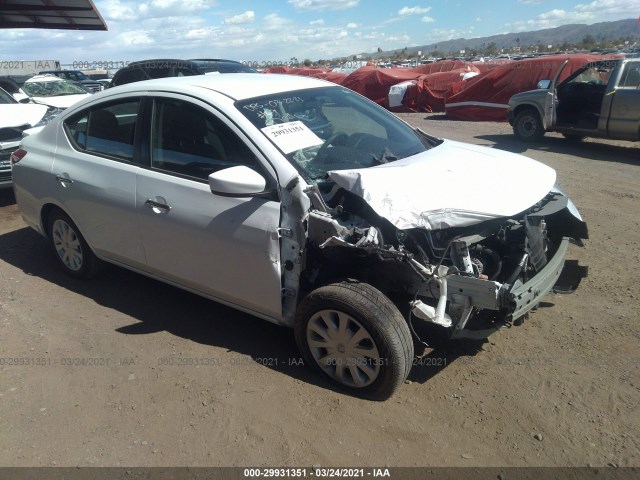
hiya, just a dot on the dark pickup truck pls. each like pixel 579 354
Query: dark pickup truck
pixel 601 99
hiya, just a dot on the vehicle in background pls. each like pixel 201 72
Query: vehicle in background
pixel 78 77
pixel 220 65
pixel 162 68
pixel 601 99
pixel 156 68
pixel 11 86
pixel 105 82
pixel 307 205
pixel 15 119
pixel 53 91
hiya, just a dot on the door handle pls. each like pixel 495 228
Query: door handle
pixel 64 181
pixel 157 207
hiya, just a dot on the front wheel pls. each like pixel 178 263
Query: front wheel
pixel 356 337
pixel 527 126
pixel 70 248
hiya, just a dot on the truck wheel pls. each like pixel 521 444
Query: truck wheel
pixel 356 337
pixel 70 248
pixel 527 126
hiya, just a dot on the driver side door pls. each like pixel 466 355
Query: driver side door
pixel 226 248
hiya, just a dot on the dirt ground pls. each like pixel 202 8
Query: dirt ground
pixel 102 373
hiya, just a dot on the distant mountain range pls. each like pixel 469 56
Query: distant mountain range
pixel 574 33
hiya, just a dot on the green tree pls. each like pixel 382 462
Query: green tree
pixel 491 49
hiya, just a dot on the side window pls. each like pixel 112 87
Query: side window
pixel 188 140
pixel 106 130
pixel 631 75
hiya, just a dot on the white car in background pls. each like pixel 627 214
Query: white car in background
pixel 305 204
pixel 15 119
pixel 53 91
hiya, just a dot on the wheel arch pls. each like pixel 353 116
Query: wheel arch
pixel 530 106
pixel 45 212
pixel 50 207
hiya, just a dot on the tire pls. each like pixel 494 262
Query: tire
pixel 527 126
pixel 70 248
pixel 331 317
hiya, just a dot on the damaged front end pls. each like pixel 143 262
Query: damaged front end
pixel 470 280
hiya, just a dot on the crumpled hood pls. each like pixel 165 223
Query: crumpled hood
pixel 62 101
pixel 19 114
pixel 452 185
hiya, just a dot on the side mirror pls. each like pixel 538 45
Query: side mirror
pixel 25 100
pixel 240 181
pixel 544 84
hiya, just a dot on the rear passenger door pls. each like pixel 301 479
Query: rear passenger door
pixel 224 247
pixel 95 176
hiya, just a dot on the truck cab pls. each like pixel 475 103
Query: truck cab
pixel 600 99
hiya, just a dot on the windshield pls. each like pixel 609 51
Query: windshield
pixel 331 128
pixel 51 88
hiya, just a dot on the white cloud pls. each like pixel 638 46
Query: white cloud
pixel 400 39
pixel 352 25
pixel 135 38
pixel 273 21
pixel 596 11
pixel 406 11
pixel 246 17
pixel 115 10
pixel 301 5
pixel 317 22
pixel 182 5
pixel 426 19
pixel 198 33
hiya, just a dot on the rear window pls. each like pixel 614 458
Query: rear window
pixel 106 130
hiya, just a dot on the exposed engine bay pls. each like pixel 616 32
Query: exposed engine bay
pixel 470 280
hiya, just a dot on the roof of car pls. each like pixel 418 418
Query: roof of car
pixel 44 77
pixel 238 86
pixel 158 62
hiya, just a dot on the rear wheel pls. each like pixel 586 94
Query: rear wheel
pixel 356 337
pixel 527 125
pixel 70 248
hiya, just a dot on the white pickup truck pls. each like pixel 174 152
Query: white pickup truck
pixel 601 99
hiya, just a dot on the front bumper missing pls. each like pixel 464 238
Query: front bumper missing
pixel 518 299
pixel 522 298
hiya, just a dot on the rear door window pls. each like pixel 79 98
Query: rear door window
pixel 107 130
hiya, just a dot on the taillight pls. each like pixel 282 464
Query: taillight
pixel 17 156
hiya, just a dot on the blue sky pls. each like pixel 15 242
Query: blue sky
pixel 277 30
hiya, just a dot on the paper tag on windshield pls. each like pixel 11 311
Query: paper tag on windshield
pixel 292 136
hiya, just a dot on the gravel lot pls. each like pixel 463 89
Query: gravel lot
pixel 102 373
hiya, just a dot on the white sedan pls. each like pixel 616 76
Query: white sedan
pixel 305 204
pixel 16 118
